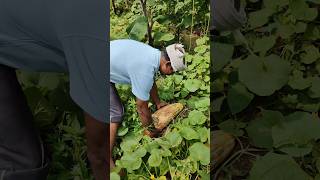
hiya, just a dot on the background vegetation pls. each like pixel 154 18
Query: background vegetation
pixel 266 91
pixel 60 123
pixel 183 151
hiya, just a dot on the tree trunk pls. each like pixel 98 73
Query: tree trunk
pixel 114 7
pixel 149 19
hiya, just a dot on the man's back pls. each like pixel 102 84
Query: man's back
pixel 135 63
pixel 60 36
pixel 51 21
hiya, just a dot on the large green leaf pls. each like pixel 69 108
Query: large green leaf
pixel 160 36
pixel 297 81
pixel 130 162
pixel 155 158
pixel 204 133
pixel 49 80
pixel 239 98
pixel 260 17
pixel 275 4
pixel 174 138
pixel 192 85
pixel 311 54
pixel 264 76
pixel 299 128
pixel 285 30
pixel 138 29
pixel 259 130
pixel 295 150
pixel 221 55
pixel 202 104
pixel 200 152
pixel 314 90
pixel 301 10
pixel 217 103
pixel 232 126
pixel 189 133
pixel 114 176
pixel 129 145
pixel 275 166
pixel 264 44
pixel 196 117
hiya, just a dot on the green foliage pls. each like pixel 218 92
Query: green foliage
pixel 183 150
pixel 276 166
pixel 264 76
pixel 168 20
pixel 265 86
pixel 60 123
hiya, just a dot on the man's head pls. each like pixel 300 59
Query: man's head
pixel 172 59
pixel 227 15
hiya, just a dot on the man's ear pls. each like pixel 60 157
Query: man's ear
pixel 168 64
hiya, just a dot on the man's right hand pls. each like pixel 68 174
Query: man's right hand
pixel 97 134
pixel 144 112
pixel 152 134
pixel 146 120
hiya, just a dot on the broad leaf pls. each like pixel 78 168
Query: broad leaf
pixel 192 85
pixel 239 98
pixel 264 76
pixel 299 128
pixel 221 55
pixel 174 138
pixel 259 130
pixel 138 29
pixel 200 152
pixel 196 117
pixel 155 158
pixel 232 126
pixel 275 166
pixel 314 90
pixel 189 133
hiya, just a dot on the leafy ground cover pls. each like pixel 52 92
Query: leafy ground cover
pixel 60 123
pixel 266 91
pixel 183 151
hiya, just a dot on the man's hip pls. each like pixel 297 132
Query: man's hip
pixel 21 151
pixel 116 107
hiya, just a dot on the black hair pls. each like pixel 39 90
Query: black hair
pixel 237 5
pixel 165 54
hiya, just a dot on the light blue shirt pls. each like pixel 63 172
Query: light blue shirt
pixel 135 63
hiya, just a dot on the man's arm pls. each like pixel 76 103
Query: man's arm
pixel 145 116
pixel 154 96
pixel 144 112
pixel 97 141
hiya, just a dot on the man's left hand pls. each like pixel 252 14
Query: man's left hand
pixel 161 104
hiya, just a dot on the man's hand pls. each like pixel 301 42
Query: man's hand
pixel 97 141
pixel 145 116
pixel 152 133
pixel 155 98
pixel 161 104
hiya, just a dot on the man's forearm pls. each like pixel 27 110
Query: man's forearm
pixel 144 113
pixel 154 94
pixel 97 141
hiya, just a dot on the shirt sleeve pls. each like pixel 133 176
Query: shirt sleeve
pixel 87 64
pixel 141 85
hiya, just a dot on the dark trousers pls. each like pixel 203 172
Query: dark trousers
pixel 22 154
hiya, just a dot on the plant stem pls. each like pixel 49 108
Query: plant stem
pixel 169 167
pixel 146 168
pixel 149 21
pixel 192 23
pixel 243 40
